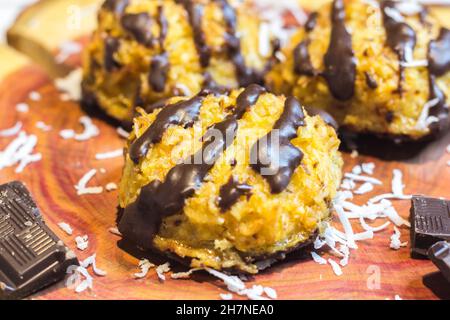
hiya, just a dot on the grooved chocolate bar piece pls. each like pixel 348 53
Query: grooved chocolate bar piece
pixel 31 255
pixel 430 223
pixel 439 253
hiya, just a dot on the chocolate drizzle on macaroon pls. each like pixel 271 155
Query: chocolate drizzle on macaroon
pixel 231 192
pixel 112 45
pixel 116 6
pixel 183 113
pixel 439 65
pixel 159 66
pixel 340 61
pixel 141 220
pixel 139 25
pixel 401 38
pixel 278 162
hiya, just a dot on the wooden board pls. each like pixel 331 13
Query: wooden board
pixel 64 162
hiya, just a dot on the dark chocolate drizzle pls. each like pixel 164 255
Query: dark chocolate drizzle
pixel 116 6
pixel 302 60
pixel 183 113
pixel 231 192
pixel 401 38
pixel 160 65
pixel 195 16
pixel 370 81
pixel 439 54
pixel 139 26
pixel 112 44
pixel 340 62
pixel 142 219
pixel 279 173
pixel 245 75
pixel 311 23
pixel 439 65
pixel 326 117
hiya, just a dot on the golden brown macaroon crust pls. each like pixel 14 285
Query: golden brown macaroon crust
pixel 225 211
pixel 148 50
pixel 375 68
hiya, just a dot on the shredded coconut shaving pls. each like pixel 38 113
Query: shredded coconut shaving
pixel 82 188
pixel 66 228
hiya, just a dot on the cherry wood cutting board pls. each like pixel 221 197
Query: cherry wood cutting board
pixel 64 162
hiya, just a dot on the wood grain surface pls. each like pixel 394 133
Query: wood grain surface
pixel 64 162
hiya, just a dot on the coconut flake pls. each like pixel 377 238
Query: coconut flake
pixel 35 96
pixel 448 148
pixel 397 184
pixel 424 120
pixel 347 226
pixel 361 178
pixel 66 228
pixel 396 244
pixel 368 168
pixel 335 266
pixel 111 186
pixel 109 155
pixel 115 231
pixel 346 252
pixel 71 84
pixel 318 259
pixel 19 152
pixel 82 188
pixel 160 270
pixel 364 188
pixel 91 261
pixel 348 184
pixel 145 266
pixel 123 133
pixel 357 170
pixel 393 215
pixel 82 242
pixel 44 127
pixel 184 275
pixel 233 283
pixel 22 107
pixel 79 279
pixel 90 131
pixel 373 229
pixel 67 49
pixel 226 296
pixel 11 131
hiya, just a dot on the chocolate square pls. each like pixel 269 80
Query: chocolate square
pixel 430 223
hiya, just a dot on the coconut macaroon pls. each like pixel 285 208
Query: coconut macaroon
pixel 144 51
pixel 377 67
pixel 230 182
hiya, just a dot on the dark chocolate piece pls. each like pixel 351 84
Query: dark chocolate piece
pixel 116 6
pixel 275 160
pixel 430 223
pixel 302 60
pixel 439 253
pixel 231 192
pixel 183 113
pixel 311 23
pixel 141 220
pixel 31 255
pixel 139 25
pixel 340 61
pixel 401 38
